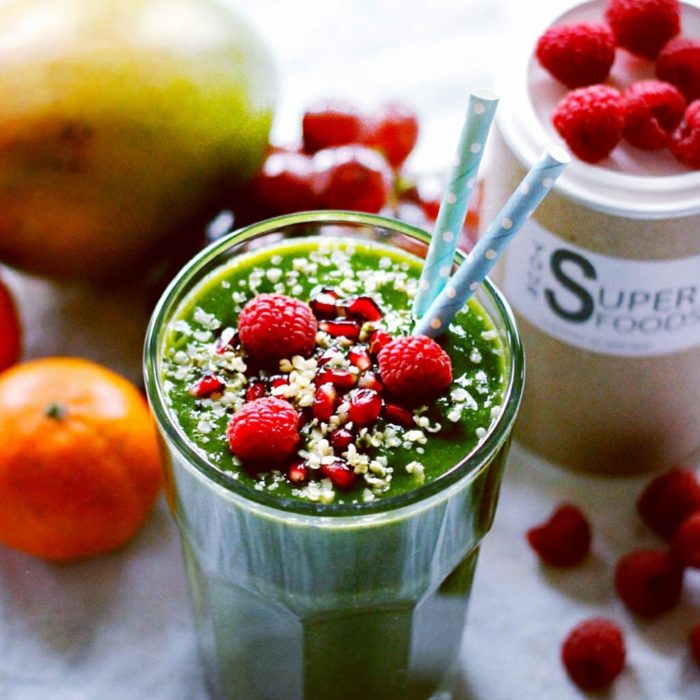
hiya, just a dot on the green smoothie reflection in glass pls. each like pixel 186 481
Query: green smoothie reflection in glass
pixel 331 479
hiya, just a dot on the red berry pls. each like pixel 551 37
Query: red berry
pixel 365 407
pixel 679 64
pixel 685 545
pixel 285 183
pixel 643 26
pixel 377 341
pixel 341 329
pixel 298 473
pixel 564 539
pixel 324 304
pixel 255 391
pixel 653 110
pixel 368 380
pixel 331 123
pixel 274 326
pixel 685 141
pixel 648 582
pixel 668 500
pixel 325 400
pixel 414 367
pixel 577 54
pixel 359 357
pixel 398 415
pixel 206 386
pixel 340 474
pixel 340 439
pixel 694 642
pixel 394 132
pixel 591 120
pixel 342 378
pixel 264 430
pixel 11 339
pixel 352 177
pixel 594 653
pixel 364 308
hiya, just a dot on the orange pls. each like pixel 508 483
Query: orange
pixel 80 465
pixel 10 333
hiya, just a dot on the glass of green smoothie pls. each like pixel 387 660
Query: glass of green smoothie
pixel 343 569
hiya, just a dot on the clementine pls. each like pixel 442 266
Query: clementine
pixel 10 333
pixel 80 466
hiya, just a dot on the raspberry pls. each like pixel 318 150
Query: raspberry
pixel 264 430
pixel 394 133
pixel 331 123
pixel 284 184
pixel 274 326
pixel 679 64
pixel 414 367
pixel 685 545
pixel 591 120
pixel 594 653
pixel 643 26
pixel 694 642
pixel 648 582
pixel 685 141
pixel 653 110
pixel 564 539
pixel 577 54
pixel 668 500
pixel 352 177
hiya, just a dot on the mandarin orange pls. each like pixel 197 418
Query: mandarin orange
pixel 80 466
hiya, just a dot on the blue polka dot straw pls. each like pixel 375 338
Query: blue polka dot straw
pixel 526 198
pixel 453 208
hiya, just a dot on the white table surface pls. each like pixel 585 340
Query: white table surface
pixel 119 627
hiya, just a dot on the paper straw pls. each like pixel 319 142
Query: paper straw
pixel 453 208
pixel 526 198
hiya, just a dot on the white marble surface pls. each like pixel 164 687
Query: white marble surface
pixel 119 627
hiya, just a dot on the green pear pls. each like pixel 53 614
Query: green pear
pixel 122 122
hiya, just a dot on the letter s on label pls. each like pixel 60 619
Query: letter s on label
pixel 556 262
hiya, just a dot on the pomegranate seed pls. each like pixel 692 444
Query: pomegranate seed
pixel 324 402
pixel 346 329
pixel 342 378
pixel 359 357
pixel 340 474
pixel 298 473
pixel 365 407
pixel 369 380
pixel 324 304
pixel 377 341
pixel 340 439
pixel 206 386
pixel 396 414
pixel 255 390
pixel 365 308
pixel 226 341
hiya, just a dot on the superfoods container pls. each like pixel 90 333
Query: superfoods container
pixel 604 280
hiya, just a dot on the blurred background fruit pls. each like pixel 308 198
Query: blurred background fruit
pixel 80 464
pixel 122 123
pixel 10 331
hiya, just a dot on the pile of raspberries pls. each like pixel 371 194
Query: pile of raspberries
pixel 648 581
pixel 649 114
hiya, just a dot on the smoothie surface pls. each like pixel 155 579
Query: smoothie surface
pixel 388 457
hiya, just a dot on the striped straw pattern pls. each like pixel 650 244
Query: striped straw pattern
pixel 527 197
pixel 453 208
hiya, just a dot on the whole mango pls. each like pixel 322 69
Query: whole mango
pixel 122 122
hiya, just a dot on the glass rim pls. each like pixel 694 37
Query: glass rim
pixel 180 286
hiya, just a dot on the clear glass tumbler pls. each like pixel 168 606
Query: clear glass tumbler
pixel 294 600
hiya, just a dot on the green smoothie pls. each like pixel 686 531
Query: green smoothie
pixel 393 458
pixel 310 590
